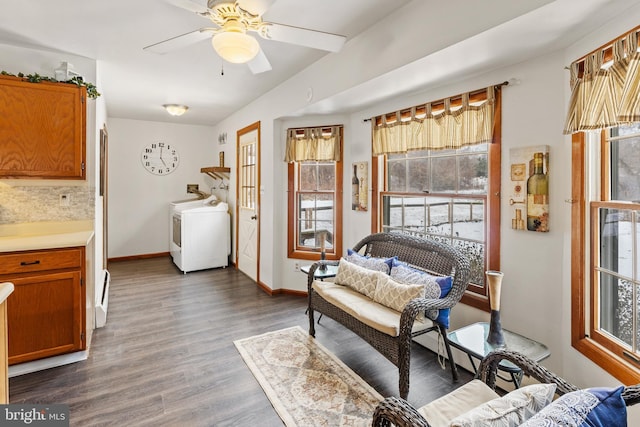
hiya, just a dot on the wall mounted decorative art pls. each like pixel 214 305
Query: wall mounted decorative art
pixel 529 190
pixel 360 186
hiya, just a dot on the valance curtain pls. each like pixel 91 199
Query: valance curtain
pixel 605 94
pixel 439 126
pixel 308 144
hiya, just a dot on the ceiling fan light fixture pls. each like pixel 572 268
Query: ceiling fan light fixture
pixel 175 109
pixel 235 47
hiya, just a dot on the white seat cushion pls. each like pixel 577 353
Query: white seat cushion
pixel 366 310
pixel 441 411
pixel 476 405
pixel 510 410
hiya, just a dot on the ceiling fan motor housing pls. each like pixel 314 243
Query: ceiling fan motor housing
pixel 223 12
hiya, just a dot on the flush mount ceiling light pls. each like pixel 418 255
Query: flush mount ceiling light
pixel 175 109
pixel 234 45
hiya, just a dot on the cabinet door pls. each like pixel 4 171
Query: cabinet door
pixel 42 130
pixel 45 316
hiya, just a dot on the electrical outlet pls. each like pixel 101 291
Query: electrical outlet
pixel 296 266
pixel 65 200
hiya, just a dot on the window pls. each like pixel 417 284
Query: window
pixel 606 325
pixel 443 195
pixel 606 206
pixel 315 209
pixel 449 193
pixel 248 174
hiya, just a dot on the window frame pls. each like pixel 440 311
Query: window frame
pixel 475 296
pixel 293 249
pixel 584 337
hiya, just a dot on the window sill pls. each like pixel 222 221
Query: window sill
pixel 313 256
pixel 625 371
pixel 476 300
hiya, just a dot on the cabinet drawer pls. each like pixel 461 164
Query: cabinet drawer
pixel 32 261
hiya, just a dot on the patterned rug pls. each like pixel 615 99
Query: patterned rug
pixel 306 384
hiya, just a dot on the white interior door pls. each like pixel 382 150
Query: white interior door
pixel 248 201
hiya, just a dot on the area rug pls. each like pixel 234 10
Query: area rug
pixel 306 384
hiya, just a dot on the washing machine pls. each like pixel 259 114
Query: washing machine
pixel 200 234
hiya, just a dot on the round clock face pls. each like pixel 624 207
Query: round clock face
pixel 160 158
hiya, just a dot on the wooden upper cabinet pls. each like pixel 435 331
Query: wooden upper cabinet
pixel 42 129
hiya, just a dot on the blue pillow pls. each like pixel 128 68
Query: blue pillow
pixel 378 264
pixel 402 273
pixel 593 407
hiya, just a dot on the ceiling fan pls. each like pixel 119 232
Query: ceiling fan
pixel 233 20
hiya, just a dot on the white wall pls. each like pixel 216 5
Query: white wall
pixel 138 220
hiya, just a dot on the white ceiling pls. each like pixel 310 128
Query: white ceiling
pixel 136 83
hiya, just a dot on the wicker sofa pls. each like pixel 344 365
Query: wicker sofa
pixel 400 413
pixel 418 253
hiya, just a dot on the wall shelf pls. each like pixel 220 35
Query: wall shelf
pixel 217 172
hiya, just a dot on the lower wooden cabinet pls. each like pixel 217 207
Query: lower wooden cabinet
pixel 46 312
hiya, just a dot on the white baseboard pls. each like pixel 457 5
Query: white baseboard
pixel 49 362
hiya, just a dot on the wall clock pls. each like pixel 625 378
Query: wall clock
pixel 159 158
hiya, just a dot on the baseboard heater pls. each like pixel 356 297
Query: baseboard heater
pixel 102 300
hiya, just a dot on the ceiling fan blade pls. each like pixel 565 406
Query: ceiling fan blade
pixel 259 64
pixel 190 6
pixel 256 7
pixel 302 36
pixel 178 42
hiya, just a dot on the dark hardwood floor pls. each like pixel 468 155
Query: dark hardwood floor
pixel 166 355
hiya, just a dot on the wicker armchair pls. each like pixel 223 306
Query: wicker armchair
pixel 399 412
pixel 422 254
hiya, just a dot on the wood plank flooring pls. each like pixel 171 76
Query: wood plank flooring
pixel 166 355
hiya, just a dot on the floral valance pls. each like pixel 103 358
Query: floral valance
pixel 319 144
pixel 449 123
pixel 605 86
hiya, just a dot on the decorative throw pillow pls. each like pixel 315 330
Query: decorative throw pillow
pixel 395 295
pixel 360 279
pixel 435 287
pixel 510 410
pixel 592 407
pixel 378 264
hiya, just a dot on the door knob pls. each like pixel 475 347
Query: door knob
pixel 254 217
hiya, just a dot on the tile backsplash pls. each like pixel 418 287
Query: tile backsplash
pixel 34 203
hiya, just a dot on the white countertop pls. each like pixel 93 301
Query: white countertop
pixel 5 290
pixel 45 235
